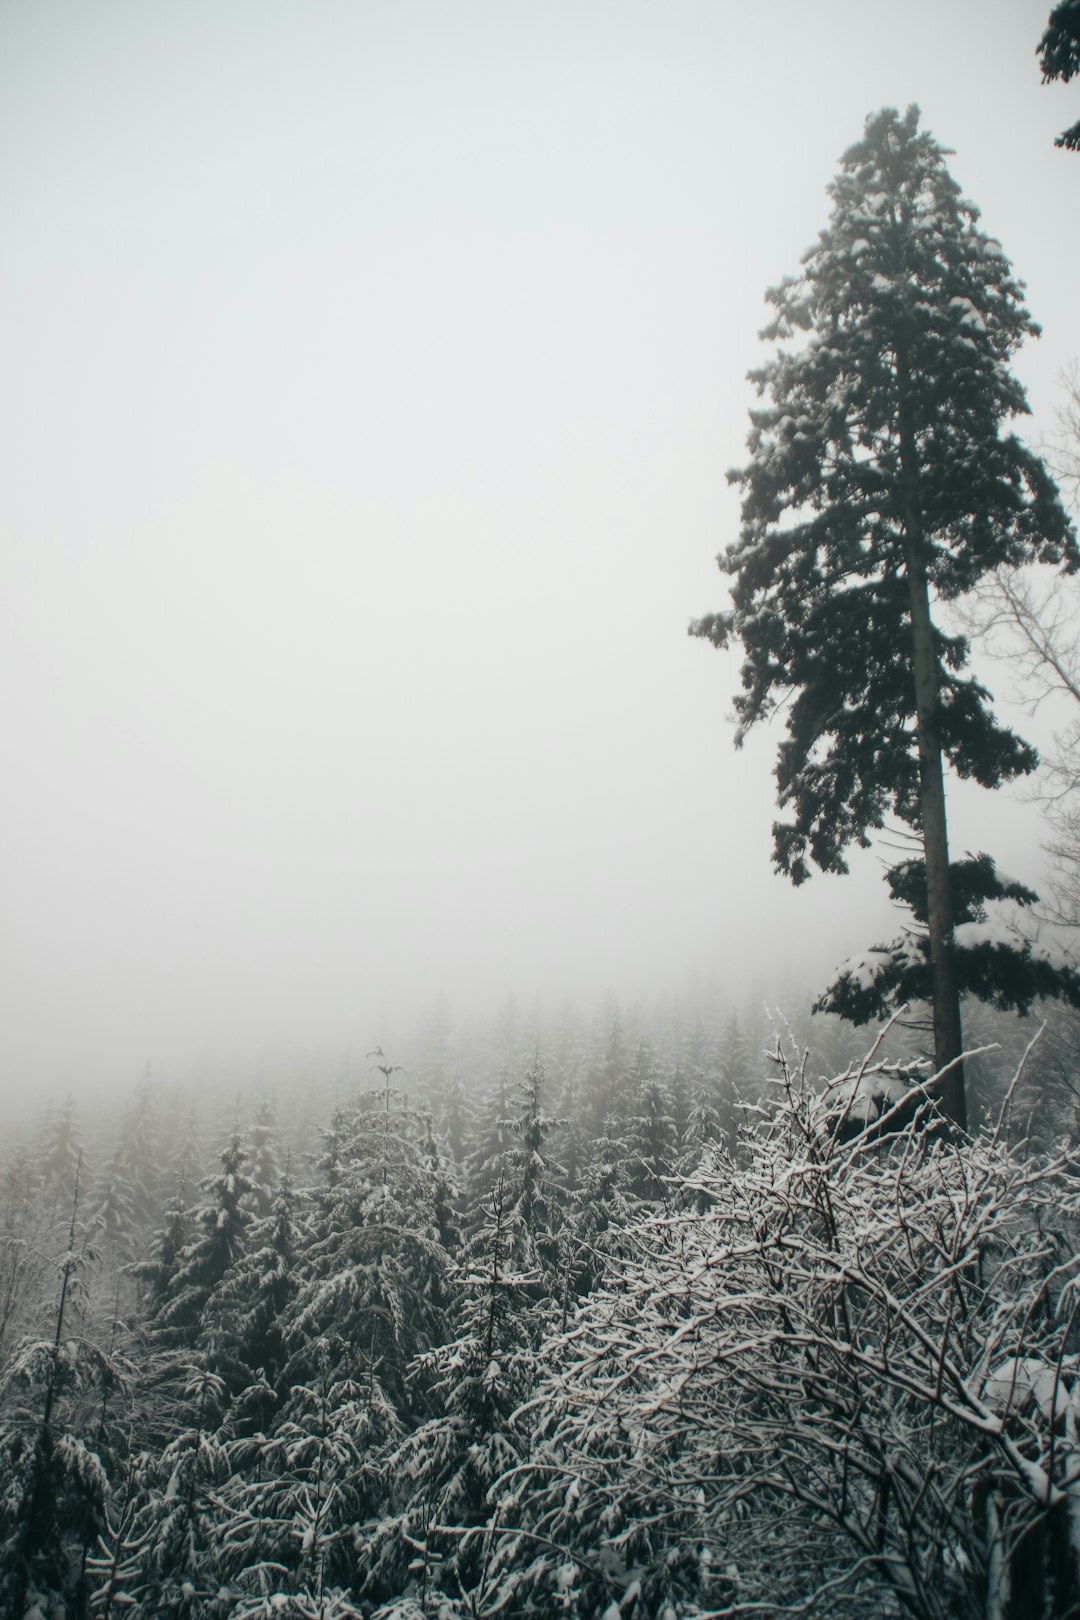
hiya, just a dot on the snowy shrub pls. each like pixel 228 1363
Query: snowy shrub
pixel 843 1375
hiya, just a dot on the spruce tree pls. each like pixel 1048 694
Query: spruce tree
pixel 263 1170
pixel 440 1475
pixel 881 483
pixel 201 1264
pixel 371 1278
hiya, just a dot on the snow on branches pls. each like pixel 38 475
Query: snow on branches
pixel 851 1381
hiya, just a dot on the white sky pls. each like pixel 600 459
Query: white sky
pixel 371 371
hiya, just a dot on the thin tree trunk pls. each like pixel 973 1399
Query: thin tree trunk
pixel 948 1031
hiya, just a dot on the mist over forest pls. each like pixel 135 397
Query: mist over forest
pixel 508 1108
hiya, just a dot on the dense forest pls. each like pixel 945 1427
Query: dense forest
pixel 445 1338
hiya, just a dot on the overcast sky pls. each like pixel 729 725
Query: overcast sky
pixel 371 370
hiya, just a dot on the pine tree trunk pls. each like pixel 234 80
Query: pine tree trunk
pixel 948 1031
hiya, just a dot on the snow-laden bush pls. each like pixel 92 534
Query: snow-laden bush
pixel 841 1376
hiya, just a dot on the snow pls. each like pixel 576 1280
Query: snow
pixel 969 315
pixel 865 970
pixel 1022 1379
pixel 867 1096
pixel 995 931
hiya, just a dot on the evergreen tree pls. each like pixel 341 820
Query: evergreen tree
pixel 487 1161
pixel 531 1174
pixel 455 1114
pixel 287 1518
pixel 241 1325
pixel 155 1273
pixel 148 1180
pixel 880 480
pixel 651 1137
pixel 1059 57
pixel 444 1186
pixel 331 1155
pixel 167 1547
pixel 202 1263
pixel 24 1247
pixel 263 1169
pixel 609 1094
pixel 372 1278
pixel 436 1541
pixel 61 1155
pixel 52 1485
pixel 114 1211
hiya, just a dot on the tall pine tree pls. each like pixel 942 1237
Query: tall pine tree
pixel 882 482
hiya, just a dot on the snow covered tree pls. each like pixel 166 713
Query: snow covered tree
pixel 1059 57
pixel 166 1549
pixel 994 959
pixel 487 1160
pixel 287 1517
pixel 26 1242
pixel 263 1169
pixel 371 1280
pixel 437 1541
pixel 841 1379
pixel 531 1174
pixel 608 1088
pixel 52 1485
pixel 455 1115
pixel 154 1274
pixel 202 1263
pixel 241 1326
pixel 651 1136
pixel 61 1155
pixel 880 482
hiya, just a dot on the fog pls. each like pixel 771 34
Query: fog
pixel 371 371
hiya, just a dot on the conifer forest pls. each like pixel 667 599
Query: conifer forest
pixel 695 1304
pixel 613 1317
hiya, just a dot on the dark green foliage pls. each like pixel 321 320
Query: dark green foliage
pixel 156 1271
pixel 196 1270
pixel 52 1485
pixel 371 1282
pixel 996 965
pixel 1059 57
pixel 531 1178
pixel 437 1539
pixel 820 597
pixel 882 479
pixel 288 1514
pixel 241 1325
pixel 168 1544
